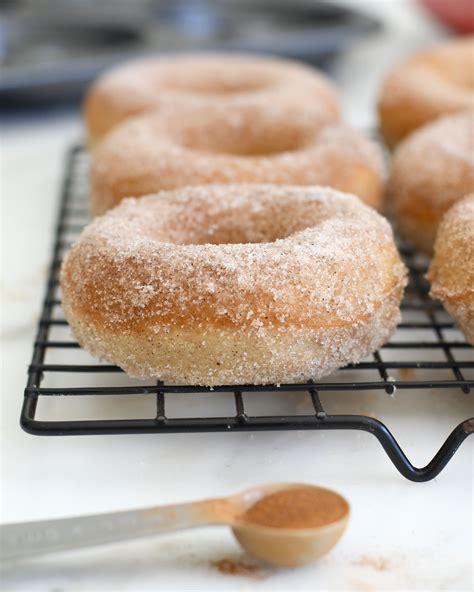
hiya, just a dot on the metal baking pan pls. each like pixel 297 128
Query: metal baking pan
pixel 51 50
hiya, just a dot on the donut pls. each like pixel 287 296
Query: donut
pixel 234 284
pixel 167 150
pixel 431 170
pixel 451 273
pixel 428 85
pixel 184 81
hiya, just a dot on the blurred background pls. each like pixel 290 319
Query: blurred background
pixel 51 49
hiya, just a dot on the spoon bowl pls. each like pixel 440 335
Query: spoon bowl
pixel 288 547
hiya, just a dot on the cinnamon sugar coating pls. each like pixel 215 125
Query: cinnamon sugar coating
pixel 234 284
pixel 451 272
pixel 431 170
pixel 247 82
pixel 428 85
pixel 171 149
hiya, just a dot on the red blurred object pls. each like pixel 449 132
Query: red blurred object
pixel 457 14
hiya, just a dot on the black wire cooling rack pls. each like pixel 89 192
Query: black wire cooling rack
pixel 62 371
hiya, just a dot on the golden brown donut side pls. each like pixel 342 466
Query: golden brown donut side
pixel 206 80
pixel 287 309
pixel 154 152
pixel 430 84
pixel 430 171
pixel 451 272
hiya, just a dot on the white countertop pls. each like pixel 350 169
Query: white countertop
pixel 402 535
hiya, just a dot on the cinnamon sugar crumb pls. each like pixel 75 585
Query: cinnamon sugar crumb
pixel 376 563
pixel 407 373
pixel 233 567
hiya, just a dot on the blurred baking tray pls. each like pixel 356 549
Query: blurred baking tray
pixel 50 50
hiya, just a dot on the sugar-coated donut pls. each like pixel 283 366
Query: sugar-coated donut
pixel 250 82
pixel 426 86
pixel 167 150
pixel 431 170
pixel 229 284
pixel 451 272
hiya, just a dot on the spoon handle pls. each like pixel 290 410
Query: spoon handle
pixel 26 539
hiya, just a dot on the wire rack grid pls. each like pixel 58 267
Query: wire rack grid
pixel 425 332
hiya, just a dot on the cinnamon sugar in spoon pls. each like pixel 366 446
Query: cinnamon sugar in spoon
pixel 286 524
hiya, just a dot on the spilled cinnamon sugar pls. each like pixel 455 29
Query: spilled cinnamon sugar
pixel 232 567
pixel 377 563
pixel 407 373
pixel 298 507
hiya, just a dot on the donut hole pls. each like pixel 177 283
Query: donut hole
pixel 460 76
pixel 212 80
pixel 232 233
pixel 262 139
pixel 214 86
pixel 229 223
pixel 229 228
pixel 250 145
pixel 458 70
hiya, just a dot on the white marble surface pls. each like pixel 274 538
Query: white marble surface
pixel 402 536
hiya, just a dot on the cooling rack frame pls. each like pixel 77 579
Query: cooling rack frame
pixel 73 207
